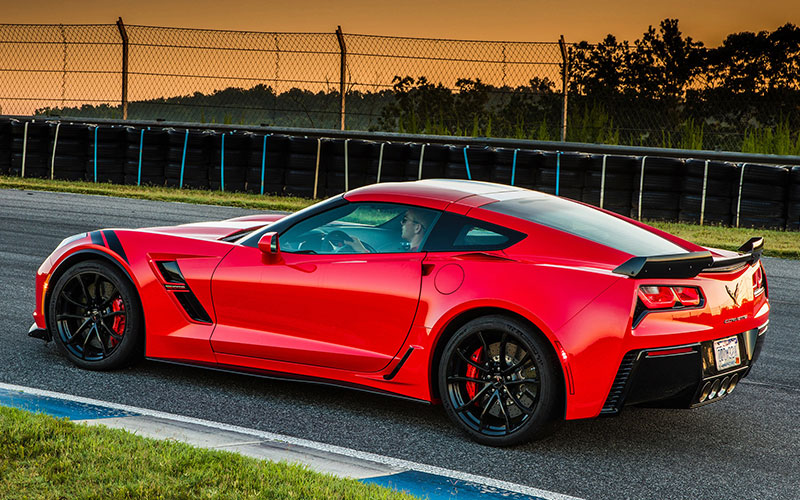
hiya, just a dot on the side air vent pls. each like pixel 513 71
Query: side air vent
pixel 192 306
pixel 176 283
pixel 614 400
pixel 171 272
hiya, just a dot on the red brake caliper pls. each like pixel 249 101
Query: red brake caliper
pixel 119 321
pixel 472 372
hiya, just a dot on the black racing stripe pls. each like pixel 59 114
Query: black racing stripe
pixel 97 238
pixel 115 245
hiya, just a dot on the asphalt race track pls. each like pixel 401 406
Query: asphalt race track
pixel 745 447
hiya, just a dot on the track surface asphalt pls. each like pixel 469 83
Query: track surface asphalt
pixel 746 446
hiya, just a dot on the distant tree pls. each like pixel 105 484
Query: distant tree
pixel 599 70
pixel 757 63
pixel 663 64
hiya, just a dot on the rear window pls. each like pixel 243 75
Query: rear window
pixel 587 223
pixel 458 233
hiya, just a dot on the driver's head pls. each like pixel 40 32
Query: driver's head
pixel 413 226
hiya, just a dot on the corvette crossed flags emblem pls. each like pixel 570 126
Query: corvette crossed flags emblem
pixel 733 294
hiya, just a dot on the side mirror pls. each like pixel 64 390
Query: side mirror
pixel 268 244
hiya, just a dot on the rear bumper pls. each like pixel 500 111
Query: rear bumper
pixel 683 376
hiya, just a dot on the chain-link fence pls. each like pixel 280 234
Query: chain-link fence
pixel 280 79
pixel 59 67
pixel 663 91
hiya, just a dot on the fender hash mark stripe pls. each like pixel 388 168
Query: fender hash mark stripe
pixel 97 238
pixel 114 244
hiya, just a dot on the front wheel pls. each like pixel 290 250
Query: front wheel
pixel 498 381
pixel 94 316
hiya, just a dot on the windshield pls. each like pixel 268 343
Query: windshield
pixel 586 222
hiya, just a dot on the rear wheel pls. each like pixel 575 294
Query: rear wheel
pixel 498 382
pixel 95 316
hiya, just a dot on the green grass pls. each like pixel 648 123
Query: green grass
pixel 159 193
pixel 780 140
pixel 49 458
pixel 783 244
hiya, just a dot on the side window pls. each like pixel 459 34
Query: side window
pixel 454 233
pixel 361 228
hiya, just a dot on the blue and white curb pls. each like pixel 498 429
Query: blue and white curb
pixel 422 480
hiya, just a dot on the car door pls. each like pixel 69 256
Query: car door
pixel 317 304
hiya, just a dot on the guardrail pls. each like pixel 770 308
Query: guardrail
pixel 705 187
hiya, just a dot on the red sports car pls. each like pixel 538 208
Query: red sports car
pixel 511 307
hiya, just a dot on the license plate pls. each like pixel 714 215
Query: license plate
pixel 726 353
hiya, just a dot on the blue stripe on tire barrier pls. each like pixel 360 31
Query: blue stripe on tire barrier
pixel 434 487
pixel 183 157
pixel 558 171
pixel 57 407
pixel 466 163
pixel 514 166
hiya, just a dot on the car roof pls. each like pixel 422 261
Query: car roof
pixel 434 193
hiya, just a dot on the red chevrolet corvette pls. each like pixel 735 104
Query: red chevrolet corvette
pixel 511 307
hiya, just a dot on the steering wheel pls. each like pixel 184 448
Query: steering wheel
pixel 311 242
pixel 337 240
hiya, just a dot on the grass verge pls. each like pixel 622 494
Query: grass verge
pixel 159 193
pixel 783 244
pixel 44 457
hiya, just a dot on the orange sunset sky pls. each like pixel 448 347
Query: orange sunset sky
pixel 708 21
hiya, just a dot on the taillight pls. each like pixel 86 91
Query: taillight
pixel 758 280
pixel 668 297
pixel 657 297
pixel 688 296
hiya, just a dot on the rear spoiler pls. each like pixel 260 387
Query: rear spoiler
pixel 689 265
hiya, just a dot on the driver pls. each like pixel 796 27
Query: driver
pixel 413 227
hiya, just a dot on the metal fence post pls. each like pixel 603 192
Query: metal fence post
pixel 564 75
pixel 343 69
pixel 124 35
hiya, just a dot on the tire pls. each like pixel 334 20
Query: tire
pixel 85 305
pixel 579 162
pixel 716 170
pixel 616 201
pixel 714 187
pixel 714 204
pixel 621 165
pixel 567 178
pixel 656 200
pixel 764 192
pixel 476 407
pixel 794 193
pixel 766 174
pixel 658 182
pixel 759 208
pixel 613 180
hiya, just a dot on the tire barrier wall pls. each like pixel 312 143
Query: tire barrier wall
pixel 642 187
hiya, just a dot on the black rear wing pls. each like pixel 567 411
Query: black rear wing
pixel 690 264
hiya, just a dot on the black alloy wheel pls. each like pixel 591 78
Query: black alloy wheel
pixel 498 381
pixel 94 316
